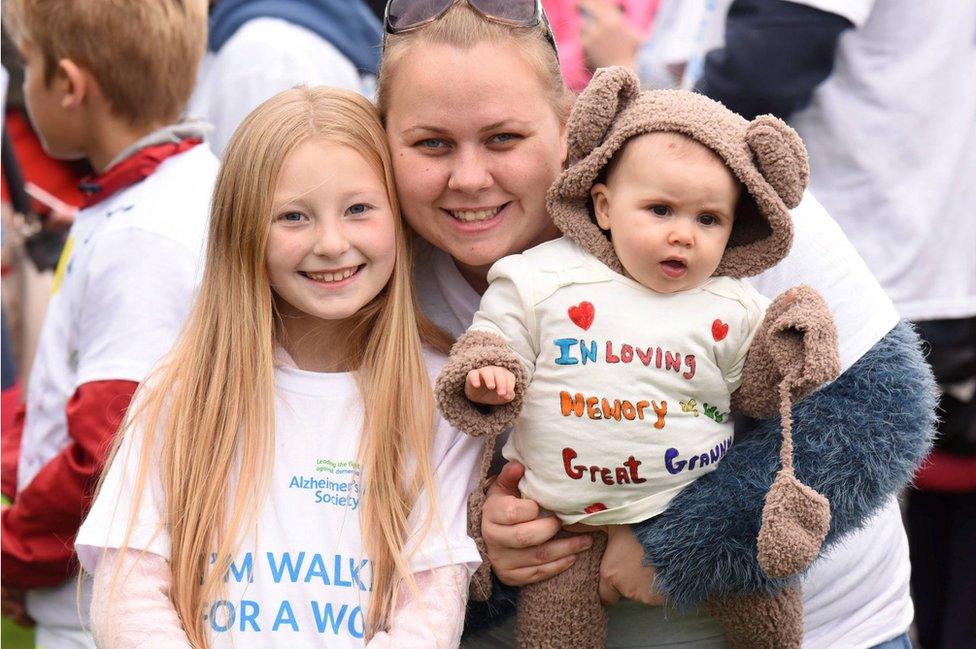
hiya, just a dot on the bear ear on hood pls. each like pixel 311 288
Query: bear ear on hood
pixel 780 157
pixel 609 92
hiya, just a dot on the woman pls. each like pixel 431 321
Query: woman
pixel 475 112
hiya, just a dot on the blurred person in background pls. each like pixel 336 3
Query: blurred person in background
pixel 38 210
pixel 96 87
pixel 34 232
pixel 257 48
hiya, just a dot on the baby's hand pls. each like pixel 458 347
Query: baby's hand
pixel 490 385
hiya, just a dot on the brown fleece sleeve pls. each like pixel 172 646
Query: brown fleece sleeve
pixel 760 621
pixel 474 350
pixel 797 339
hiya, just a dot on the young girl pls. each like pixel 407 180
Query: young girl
pixel 284 480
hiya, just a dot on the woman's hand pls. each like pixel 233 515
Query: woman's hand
pixel 520 545
pixel 622 571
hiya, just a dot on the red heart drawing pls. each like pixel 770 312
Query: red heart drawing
pixel 719 330
pixel 594 508
pixel 582 314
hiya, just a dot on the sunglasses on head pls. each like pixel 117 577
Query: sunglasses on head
pixel 407 15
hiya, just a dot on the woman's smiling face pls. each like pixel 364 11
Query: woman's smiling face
pixel 475 147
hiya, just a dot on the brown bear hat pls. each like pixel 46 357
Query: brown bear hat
pixel 765 155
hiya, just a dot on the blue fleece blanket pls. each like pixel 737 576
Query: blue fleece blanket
pixel 857 441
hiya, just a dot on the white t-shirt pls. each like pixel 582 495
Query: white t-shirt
pixel 619 377
pixel 302 579
pixel 264 57
pixel 874 560
pixel 121 294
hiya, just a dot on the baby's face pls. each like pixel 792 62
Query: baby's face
pixel 668 204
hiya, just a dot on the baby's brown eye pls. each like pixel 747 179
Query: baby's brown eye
pixel 660 210
pixel 707 219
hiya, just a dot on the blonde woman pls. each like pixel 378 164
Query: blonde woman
pixel 284 479
pixel 475 111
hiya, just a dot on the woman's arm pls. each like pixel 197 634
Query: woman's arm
pixel 856 441
pixel 432 617
pixel 131 608
pixel 521 547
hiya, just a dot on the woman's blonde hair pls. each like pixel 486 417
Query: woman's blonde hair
pixel 207 414
pixel 463 28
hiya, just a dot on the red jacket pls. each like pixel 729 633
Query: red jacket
pixel 39 528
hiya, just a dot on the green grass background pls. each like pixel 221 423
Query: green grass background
pixel 15 637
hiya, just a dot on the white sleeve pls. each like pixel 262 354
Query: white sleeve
pixel 456 459
pixel 506 310
pixel 131 606
pixel 107 522
pixel 136 299
pixel 856 11
pixel 434 617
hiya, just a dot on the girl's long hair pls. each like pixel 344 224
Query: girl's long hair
pixel 207 413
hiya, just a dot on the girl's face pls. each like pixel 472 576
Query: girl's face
pixel 475 146
pixel 331 247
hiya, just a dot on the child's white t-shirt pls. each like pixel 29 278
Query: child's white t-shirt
pixel 302 579
pixel 628 390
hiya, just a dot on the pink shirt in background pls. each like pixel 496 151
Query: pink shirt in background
pixel 566 20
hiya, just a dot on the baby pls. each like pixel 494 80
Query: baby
pixel 619 350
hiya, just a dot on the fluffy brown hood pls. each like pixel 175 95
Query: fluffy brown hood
pixel 766 155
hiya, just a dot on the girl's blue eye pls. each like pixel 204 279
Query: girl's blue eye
pixel 431 143
pixel 660 210
pixel 504 138
pixel 358 208
pixel 293 217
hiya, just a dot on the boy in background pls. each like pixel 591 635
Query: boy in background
pixel 107 82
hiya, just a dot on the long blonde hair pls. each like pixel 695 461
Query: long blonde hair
pixel 207 414
pixel 463 28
